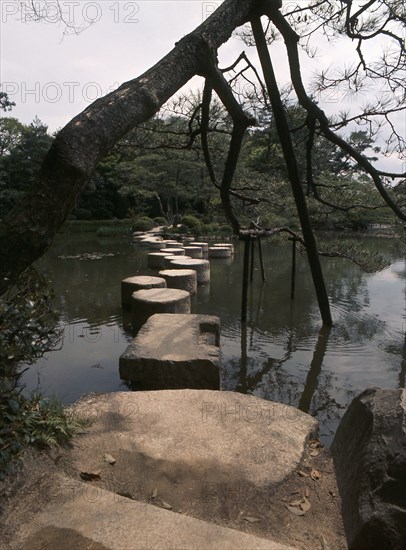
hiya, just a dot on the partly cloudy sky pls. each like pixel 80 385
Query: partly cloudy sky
pixel 54 75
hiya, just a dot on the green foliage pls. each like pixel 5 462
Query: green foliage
pixel 368 260
pixel 159 220
pixel 142 223
pixel 28 328
pixel 28 322
pixel 92 226
pixel 113 230
pixel 33 420
pixel 191 221
pixel 5 103
pixel 22 149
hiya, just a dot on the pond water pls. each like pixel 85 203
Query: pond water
pixel 280 354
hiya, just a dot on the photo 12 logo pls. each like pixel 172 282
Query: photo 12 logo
pixel 53 92
pixel 208 8
pixel 73 13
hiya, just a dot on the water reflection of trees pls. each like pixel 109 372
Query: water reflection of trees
pixel 278 339
pixel 90 289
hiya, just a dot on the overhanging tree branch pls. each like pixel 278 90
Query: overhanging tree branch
pixel 28 230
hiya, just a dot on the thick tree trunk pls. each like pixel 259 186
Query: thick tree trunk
pixel 27 232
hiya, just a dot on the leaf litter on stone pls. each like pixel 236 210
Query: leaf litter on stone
pixel 305 505
pixel 302 473
pixel 166 505
pixel 251 519
pixel 295 502
pixel 154 493
pixel 315 475
pixel 109 459
pixel 295 510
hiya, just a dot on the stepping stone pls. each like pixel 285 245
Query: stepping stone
pixel 220 252
pixel 156 245
pixel 185 279
pixel 193 251
pixel 90 517
pixel 175 251
pixel 172 244
pixel 203 246
pixel 174 352
pixel 138 282
pixel 145 303
pixel 222 245
pixel 168 259
pixel 202 268
pixel 156 260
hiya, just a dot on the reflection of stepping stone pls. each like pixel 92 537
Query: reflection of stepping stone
pixel 139 282
pixel 174 352
pixel 145 303
pixel 185 279
pixel 202 268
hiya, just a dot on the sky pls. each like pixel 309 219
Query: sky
pixel 54 75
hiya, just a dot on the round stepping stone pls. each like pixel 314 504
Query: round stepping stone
pixel 193 251
pixel 168 258
pixel 145 303
pixel 172 243
pixel 156 245
pixel 203 246
pixel 156 260
pixel 220 252
pixel 147 242
pixel 175 251
pixel 222 245
pixel 202 268
pixel 138 282
pixel 184 279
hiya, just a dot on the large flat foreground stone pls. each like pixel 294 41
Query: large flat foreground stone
pixel 220 457
pixel 174 351
pixel 198 435
pixel 82 516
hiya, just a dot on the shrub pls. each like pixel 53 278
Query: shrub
pixel 191 221
pixel 160 220
pixel 142 223
pixel 28 328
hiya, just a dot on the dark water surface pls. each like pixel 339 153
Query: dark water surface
pixel 281 354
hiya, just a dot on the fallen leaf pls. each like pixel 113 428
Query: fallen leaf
pixel 305 505
pixel 110 459
pixel 154 493
pixel 302 473
pixel 307 492
pixel 295 503
pixel 90 476
pixel 295 511
pixel 251 519
pixel 315 475
pixel 166 505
